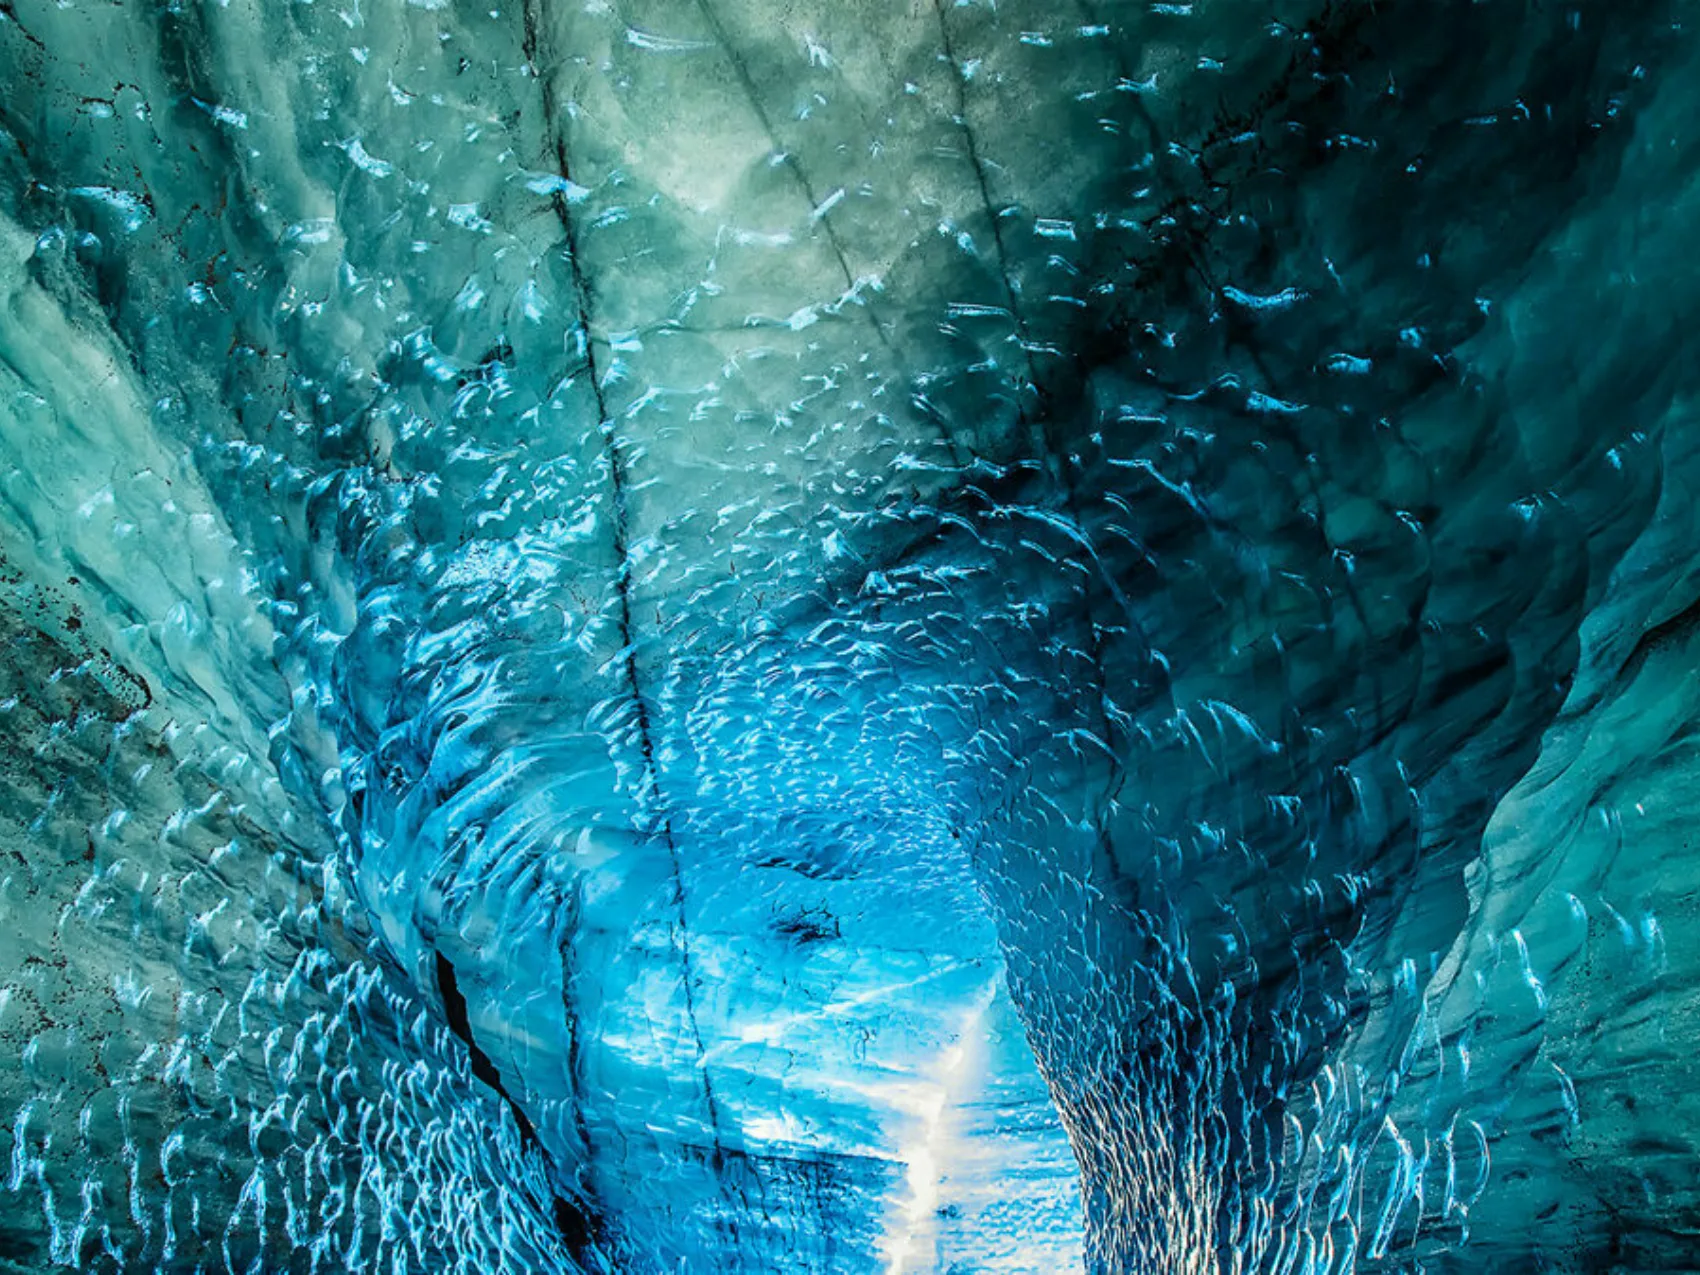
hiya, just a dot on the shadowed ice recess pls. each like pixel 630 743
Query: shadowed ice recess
pixel 661 637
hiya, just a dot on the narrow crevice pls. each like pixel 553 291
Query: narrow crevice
pixel 794 166
pixel 959 79
pixel 619 484
pixel 9 11
pixel 573 1018
pixel 1040 423
pixel 581 1227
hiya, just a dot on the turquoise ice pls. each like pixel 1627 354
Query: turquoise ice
pixel 807 636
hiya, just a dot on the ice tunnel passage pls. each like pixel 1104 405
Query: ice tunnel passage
pixel 849 636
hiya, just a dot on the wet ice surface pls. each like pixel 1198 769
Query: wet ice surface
pixel 741 636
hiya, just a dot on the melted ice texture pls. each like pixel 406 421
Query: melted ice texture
pixel 828 636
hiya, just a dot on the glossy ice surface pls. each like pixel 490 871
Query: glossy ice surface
pixel 690 636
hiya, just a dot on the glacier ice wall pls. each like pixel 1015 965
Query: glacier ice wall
pixel 751 636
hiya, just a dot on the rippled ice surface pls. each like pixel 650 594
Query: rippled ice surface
pixel 830 636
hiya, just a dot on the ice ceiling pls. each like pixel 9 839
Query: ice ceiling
pixel 688 636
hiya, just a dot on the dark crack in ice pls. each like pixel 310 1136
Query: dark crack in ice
pixel 843 637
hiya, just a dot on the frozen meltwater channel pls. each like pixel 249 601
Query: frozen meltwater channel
pixel 785 999
pixel 849 636
pixel 722 946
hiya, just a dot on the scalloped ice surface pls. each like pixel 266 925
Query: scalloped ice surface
pixel 699 636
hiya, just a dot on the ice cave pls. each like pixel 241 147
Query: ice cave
pixel 862 637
